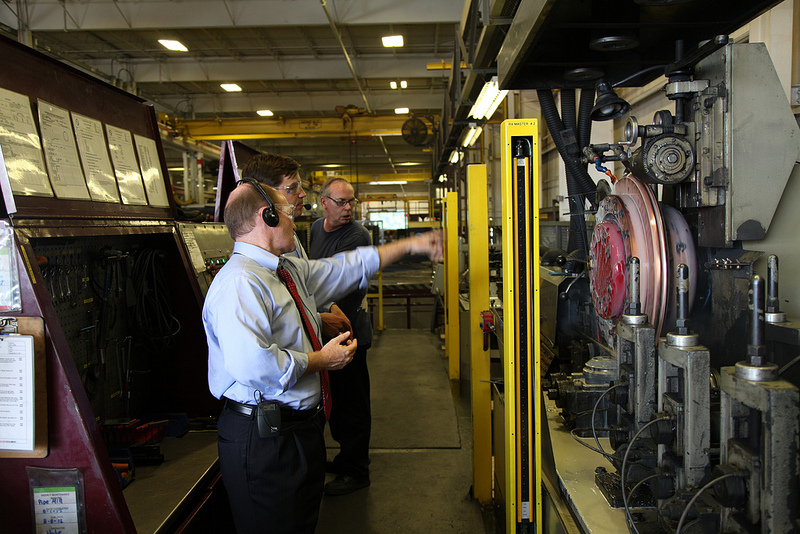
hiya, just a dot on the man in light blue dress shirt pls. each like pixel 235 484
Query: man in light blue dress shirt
pixel 258 351
pixel 283 174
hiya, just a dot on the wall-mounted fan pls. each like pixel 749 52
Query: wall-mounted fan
pixel 418 131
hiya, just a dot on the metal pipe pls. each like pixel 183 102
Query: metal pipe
pixel 346 55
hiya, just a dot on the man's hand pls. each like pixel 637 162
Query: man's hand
pixel 334 323
pixel 429 243
pixel 336 353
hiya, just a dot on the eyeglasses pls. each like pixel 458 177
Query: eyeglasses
pixel 341 202
pixel 292 188
pixel 287 209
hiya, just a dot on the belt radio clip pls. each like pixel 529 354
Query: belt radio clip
pixel 269 417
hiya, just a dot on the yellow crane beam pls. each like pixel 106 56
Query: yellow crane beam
pixel 266 128
pixel 321 176
pixel 392 198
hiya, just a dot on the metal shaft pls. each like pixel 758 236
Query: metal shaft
pixel 634 306
pixel 773 302
pixel 682 287
pixel 756 349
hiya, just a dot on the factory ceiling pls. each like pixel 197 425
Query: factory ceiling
pixel 309 62
pixel 320 67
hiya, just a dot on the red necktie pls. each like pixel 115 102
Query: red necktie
pixel 312 335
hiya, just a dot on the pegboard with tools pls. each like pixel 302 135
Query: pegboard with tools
pixel 112 298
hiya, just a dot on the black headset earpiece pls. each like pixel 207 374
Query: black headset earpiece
pixel 270 215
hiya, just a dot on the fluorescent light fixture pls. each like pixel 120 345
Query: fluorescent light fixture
pixel 230 87
pixel 401 111
pixel 332 165
pixel 403 84
pixel 409 164
pixel 393 84
pixel 454 156
pixel 389 182
pixel 392 41
pixel 471 136
pixel 265 113
pixel 489 98
pixel 176 169
pixel 170 44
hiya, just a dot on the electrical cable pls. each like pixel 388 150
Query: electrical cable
pixel 635 74
pixel 594 412
pixel 696 495
pixel 622 471
pixel 578 439
pixel 152 313
pixel 788 365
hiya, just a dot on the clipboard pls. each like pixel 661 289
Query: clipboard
pixel 23 388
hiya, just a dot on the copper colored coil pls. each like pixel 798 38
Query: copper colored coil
pixel 680 249
pixel 650 247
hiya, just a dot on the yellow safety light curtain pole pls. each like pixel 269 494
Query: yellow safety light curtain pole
pixel 521 316
pixel 478 239
pixel 451 309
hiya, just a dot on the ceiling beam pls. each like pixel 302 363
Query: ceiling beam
pixel 315 103
pixel 321 176
pixel 259 128
pixel 221 69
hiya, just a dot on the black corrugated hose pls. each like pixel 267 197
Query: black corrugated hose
pixel 579 185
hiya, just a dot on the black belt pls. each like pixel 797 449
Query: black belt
pixel 287 414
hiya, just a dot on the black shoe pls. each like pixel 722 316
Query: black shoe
pixel 344 484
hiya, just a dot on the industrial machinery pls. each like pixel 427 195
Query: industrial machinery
pixel 667 342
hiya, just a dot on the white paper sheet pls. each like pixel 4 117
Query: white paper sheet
pixel 61 153
pixel 126 169
pixel 20 144
pixel 94 159
pixel 151 170
pixel 16 393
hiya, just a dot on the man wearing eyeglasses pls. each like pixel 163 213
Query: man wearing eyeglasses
pixel 282 173
pixel 264 359
pixel 351 419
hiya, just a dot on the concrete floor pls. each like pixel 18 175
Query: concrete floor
pixel 421 447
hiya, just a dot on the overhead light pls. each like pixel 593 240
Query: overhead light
pixel 332 165
pixel 392 41
pixel 403 84
pixel 401 111
pixel 230 87
pixel 170 44
pixel 489 98
pixel 409 164
pixel 442 178
pixel 608 105
pixel 389 182
pixel 454 156
pixel 471 136
pixel 265 113
pixel 176 169
pixel 393 84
